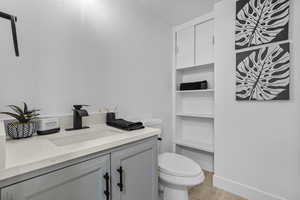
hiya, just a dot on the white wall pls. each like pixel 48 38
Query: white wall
pixel 177 12
pixel 257 144
pixel 98 52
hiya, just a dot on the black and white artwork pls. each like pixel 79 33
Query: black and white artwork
pixel 260 22
pixel 263 74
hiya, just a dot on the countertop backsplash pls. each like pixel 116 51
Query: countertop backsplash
pixel 66 120
pixel 2 145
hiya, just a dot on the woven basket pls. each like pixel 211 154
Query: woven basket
pixel 18 130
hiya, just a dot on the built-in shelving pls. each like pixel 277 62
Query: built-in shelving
pixel 193 109
pixel 195 115
pixel 202 146
pixel 210 64
pixel 195 91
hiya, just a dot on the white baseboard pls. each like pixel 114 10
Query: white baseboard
pixel 242 190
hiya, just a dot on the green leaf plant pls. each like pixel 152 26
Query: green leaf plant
pixel 22 115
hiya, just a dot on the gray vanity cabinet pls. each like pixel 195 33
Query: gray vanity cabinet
pixel 83 181
pixel 125 173
pixel 134 172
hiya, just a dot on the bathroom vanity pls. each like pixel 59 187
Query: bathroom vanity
pixel 100 163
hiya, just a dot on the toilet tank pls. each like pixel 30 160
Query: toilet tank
pixel 155 123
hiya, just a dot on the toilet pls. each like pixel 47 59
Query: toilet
pixel 177 173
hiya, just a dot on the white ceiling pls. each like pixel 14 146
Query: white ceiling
pixel 178 11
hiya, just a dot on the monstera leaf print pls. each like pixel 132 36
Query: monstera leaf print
pixel 263 74
pixel 261 22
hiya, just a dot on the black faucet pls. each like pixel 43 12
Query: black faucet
pixel 78 113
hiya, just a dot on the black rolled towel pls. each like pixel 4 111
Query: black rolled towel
pixel 125 125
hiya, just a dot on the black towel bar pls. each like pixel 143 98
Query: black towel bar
pixel 13 20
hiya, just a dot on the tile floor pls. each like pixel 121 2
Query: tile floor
pixel 206 191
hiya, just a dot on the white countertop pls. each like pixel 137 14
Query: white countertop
pixel 27 155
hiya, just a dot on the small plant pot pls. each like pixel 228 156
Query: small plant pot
pixel 18 130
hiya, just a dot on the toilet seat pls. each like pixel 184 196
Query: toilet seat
pixel 179 166
pixel 178 181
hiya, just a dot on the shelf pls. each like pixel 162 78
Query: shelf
pixel 193 110
pixel 210 64
pixel 202 146
pixel 209 116
pixel 195 91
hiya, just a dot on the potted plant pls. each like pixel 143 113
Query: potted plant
pixel 25 126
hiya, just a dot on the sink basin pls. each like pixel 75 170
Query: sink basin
pixel 73 138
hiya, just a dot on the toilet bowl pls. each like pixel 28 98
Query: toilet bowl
pixel 177 174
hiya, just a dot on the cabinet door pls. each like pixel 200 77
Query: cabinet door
pixel 185 44
pixel 134 172
pixel 204 42
pixel 84 181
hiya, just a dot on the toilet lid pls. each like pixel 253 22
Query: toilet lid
pixel 178 165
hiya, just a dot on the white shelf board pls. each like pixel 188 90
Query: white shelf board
pixel 209 64
pixel 203 146
pixel 195 91
pixel 196 115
